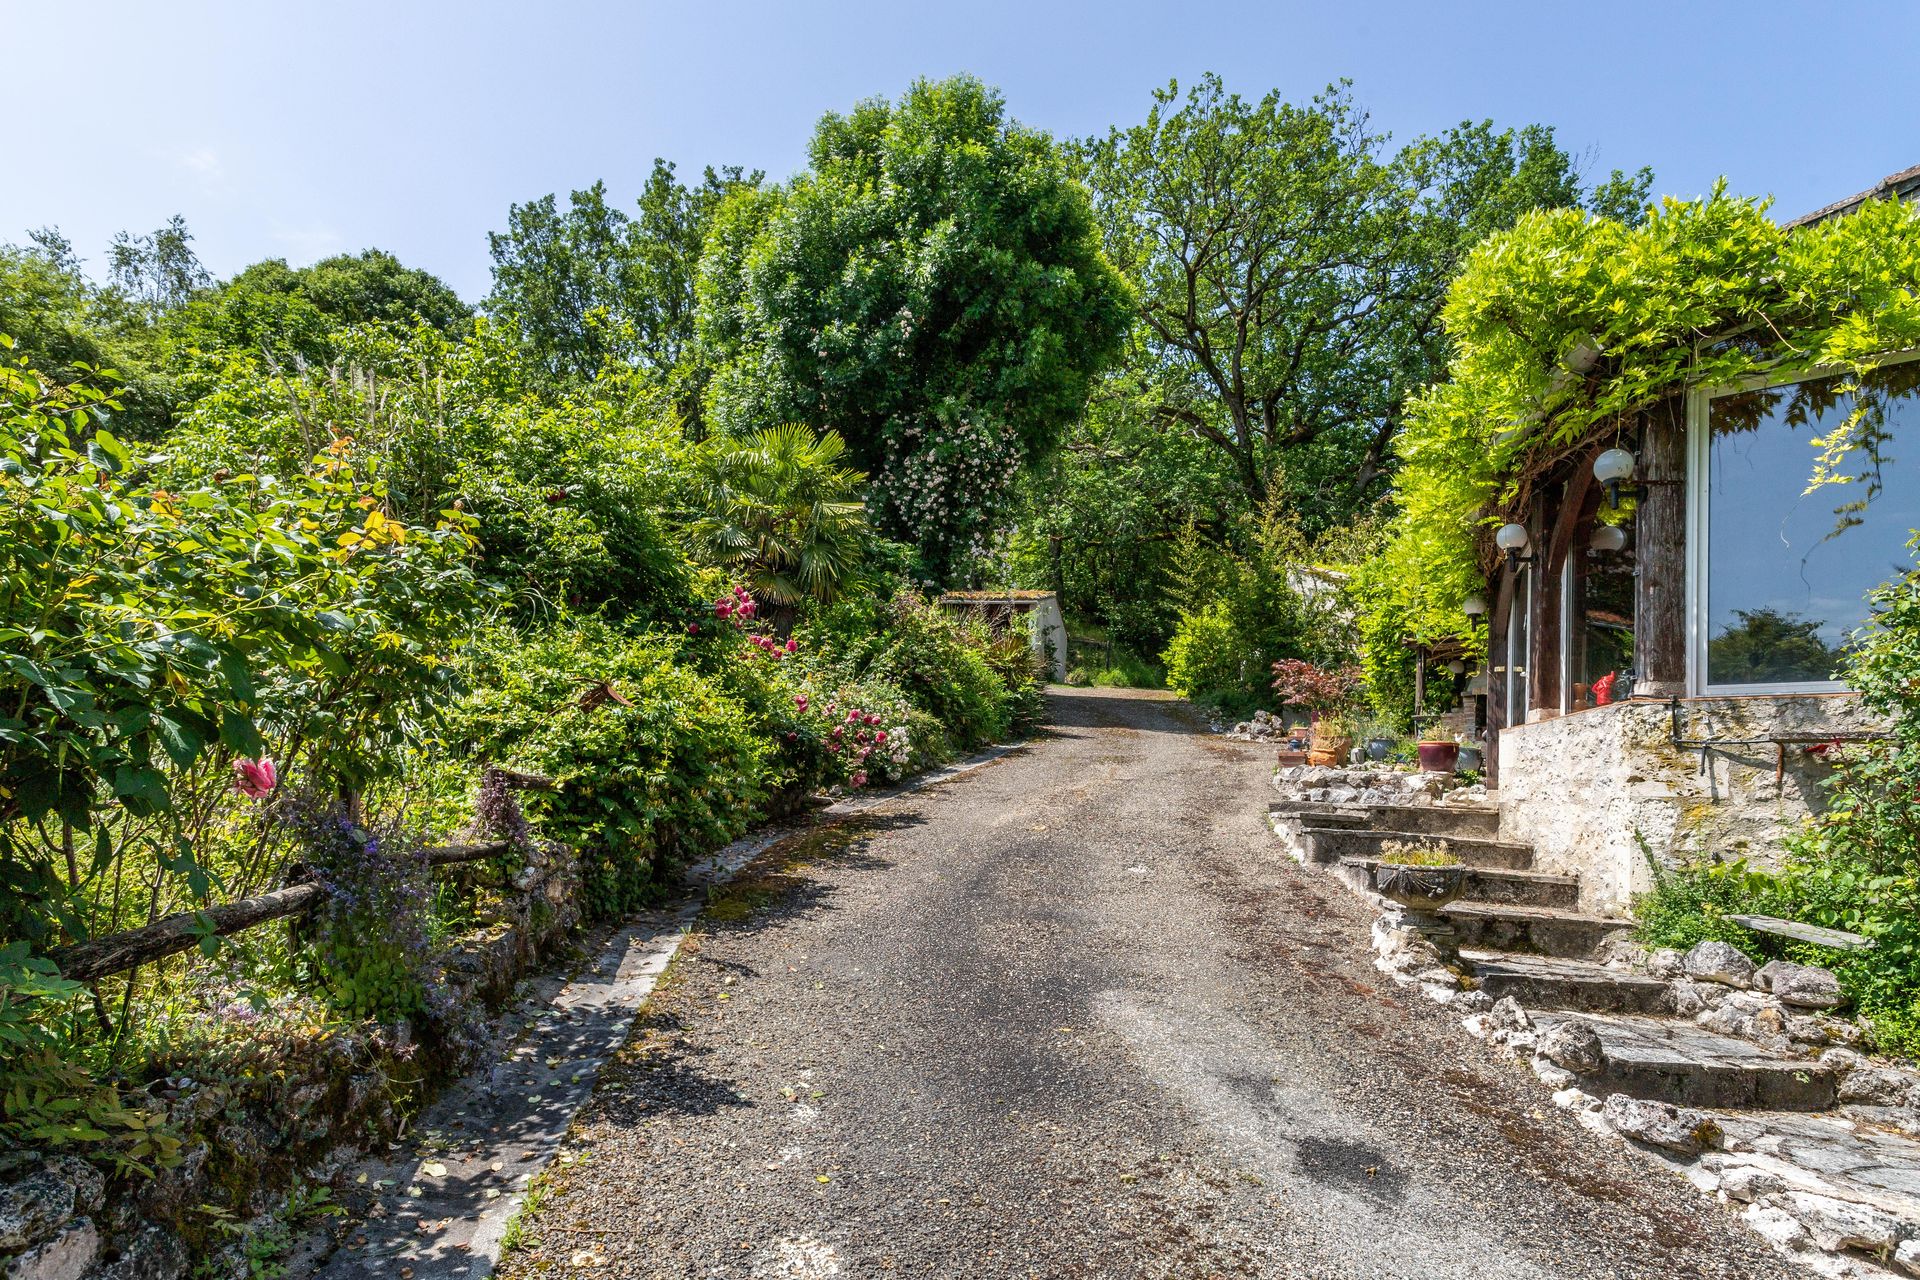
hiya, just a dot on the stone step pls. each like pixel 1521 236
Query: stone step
pixel 1313 813
pixel 1554 982
pixel 1548 931
pixel 1330 844
pixel 1491 884
pixel 1438 819
pixel 1670 1060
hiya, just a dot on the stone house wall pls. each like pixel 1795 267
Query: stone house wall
pixel 1579 787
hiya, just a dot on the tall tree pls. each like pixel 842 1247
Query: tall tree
pixel 160 269
pixel 589 285
pixel 1291 271
pixel 932 288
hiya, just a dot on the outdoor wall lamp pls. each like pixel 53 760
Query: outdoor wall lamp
pixel 1513 539
pixel 1475 607
pixel 1458 667
pixel 1607 538
pixel 1612 469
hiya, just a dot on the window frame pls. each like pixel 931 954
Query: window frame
pixel 1699 478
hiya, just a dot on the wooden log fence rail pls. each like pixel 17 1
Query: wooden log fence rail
pixel 116 953
pixel 99 958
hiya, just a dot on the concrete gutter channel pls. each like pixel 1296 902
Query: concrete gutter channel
pixel 441 1210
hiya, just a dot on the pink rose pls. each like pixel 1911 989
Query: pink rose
pixel 255 778
pixel 793 646
pixel 800 701
pixel 880 738
pixel 693 628
pixel 859 779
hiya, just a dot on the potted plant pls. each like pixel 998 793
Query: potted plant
pixel 1332 740
pixel 1325 693
pixel 1420 878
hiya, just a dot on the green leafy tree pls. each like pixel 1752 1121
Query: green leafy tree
pixel 932 289
pixel 779 506
pixel 1769 645
pixel 592 285
pixel 1291 271
pixel 159 270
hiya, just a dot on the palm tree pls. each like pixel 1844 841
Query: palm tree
pixel 781 508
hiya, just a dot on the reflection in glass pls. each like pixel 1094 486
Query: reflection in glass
pixel 1788 571
pixel 1601 642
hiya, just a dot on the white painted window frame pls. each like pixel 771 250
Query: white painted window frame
pixel 1699 476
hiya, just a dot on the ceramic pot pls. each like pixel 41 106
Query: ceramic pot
pixel 1439 757
pixel 1379 748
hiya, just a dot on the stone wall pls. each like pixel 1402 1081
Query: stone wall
pixel 1578 787
pixel 250 1135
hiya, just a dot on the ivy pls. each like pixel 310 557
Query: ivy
pixel 1569 324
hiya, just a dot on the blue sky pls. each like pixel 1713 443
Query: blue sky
pixel 283 130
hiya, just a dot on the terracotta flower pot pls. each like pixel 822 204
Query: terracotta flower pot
pixel 1439 757
pixel 1329 749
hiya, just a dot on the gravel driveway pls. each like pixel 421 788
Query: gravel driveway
pixel 1073 1015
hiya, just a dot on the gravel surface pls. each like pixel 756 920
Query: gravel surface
pixel 1073 1015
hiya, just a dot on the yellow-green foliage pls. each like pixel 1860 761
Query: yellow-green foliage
pixel 1704 292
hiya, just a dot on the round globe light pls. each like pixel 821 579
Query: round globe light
pixel 1613 466
pixel 1473 606
pixel 1511 537
pixel 1607 537
pixel 1457 667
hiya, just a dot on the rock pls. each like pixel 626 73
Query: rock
pixel 1659 1124
pixel 1876 1086
pixel 1507 1015
pixel 1803 986
pixel 1575 1100
pixel 1685 999
pixel 1750 1182
pixel 1907 1257
pixel 34 1207
pixel 1808 1031
pixel 1777 1227
pixel 1574 1045
pixel 1842 1224
pixel 1473 1002
pixel 1555 1078
pixel 154 1254
pixel 1719 962
pixel 1770 1023
pixel 66 1256
pixel 1666 963
pixel 1843 1060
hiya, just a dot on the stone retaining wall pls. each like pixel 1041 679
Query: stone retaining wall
pixel 250 1137
pixel 1580 786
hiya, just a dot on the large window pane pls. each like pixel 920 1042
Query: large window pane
pixel 1788 571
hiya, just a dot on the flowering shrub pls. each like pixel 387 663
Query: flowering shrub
pixel 672 767
pixel 369 951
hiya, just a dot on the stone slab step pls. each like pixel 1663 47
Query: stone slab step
pixel 1493 884
pixel 1310 813
pixel 1438 819
pixel 1670 1060
pixel 1548 931
pixel 1330 844
pixel 1555 982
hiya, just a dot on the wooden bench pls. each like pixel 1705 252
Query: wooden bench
pixel 1837 939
